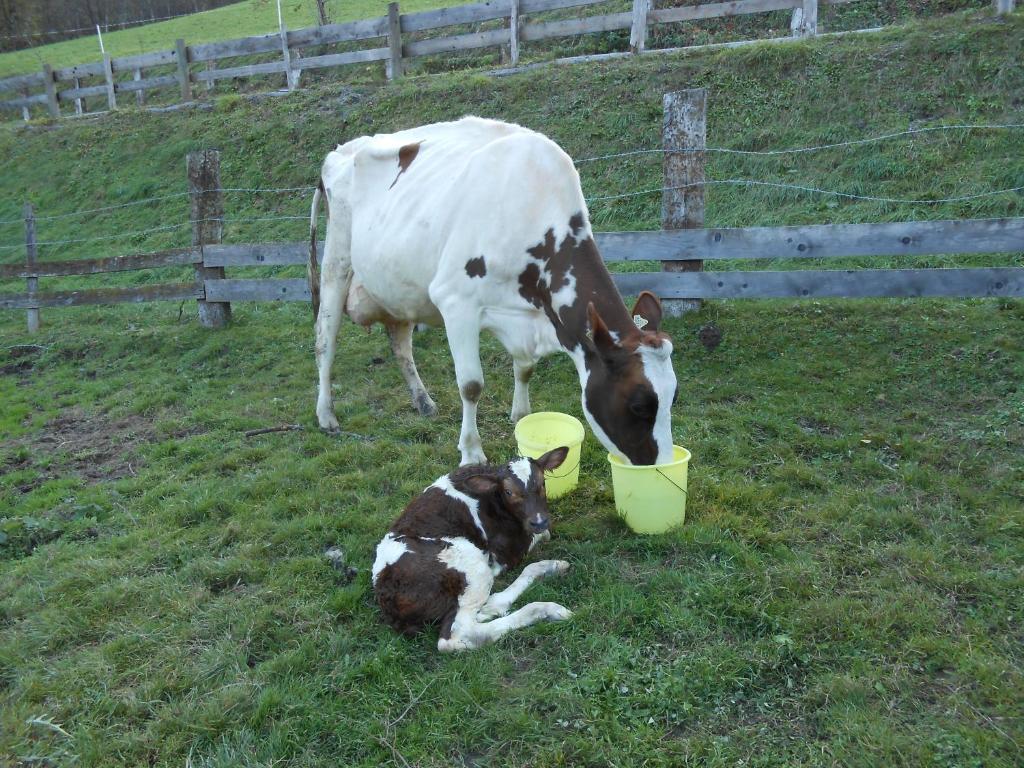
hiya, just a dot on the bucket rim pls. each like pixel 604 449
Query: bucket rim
pixel 617 463
pixel 565 418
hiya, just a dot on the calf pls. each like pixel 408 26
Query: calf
pixel 438 561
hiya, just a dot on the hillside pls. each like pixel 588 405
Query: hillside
pixel 847 589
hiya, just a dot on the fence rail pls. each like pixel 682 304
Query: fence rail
pixel 914 238
pixel 397 40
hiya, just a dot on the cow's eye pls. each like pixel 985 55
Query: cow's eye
pixel 508 492
pixel 644 407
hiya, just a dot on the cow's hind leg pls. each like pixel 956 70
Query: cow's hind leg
pixel 468 632
pixel 522 370
pixel 400 335
pixel 333 290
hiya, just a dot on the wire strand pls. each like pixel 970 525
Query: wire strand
pixel 796 150
pixel 835 193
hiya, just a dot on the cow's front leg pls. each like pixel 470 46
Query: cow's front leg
pixel 464 341
pixel 499 603
pixel 522 370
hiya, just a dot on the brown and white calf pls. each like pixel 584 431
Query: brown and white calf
pixel 481 225
pixel 438 561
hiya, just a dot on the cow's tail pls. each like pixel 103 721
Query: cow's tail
pixel 313 267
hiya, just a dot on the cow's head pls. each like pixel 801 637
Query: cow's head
pixel 630 385
pixel 519 489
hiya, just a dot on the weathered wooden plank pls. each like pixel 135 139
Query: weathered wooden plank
pixel 173 258
pixel 349 57
pixel 241 47
pixel 910 238
pixel 148 83
pixel 540 6
pixel 296 289
pixel 267 68
pixel 184 75
pixel 21 81
pixel 157 292
pixel 94 69
pixel 108 74
pixel 395 68
pixel 446 17
pixel 364 29
pixel 92 90
pixel 144 60
pixel 456 43
pixel 257 255
pixel 816 284
pixel 25 101
pixel 545 29
pixel 716 10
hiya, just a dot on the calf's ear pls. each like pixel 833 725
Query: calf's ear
pixel 648 308
pixel 481 485
pixel 552 459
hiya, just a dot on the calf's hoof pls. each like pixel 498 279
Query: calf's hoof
pixel 556 612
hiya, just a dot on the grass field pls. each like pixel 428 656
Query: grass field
pixel 847 589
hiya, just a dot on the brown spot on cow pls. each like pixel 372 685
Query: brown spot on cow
pixel 472 391
pixel 405 157
pixel 476 267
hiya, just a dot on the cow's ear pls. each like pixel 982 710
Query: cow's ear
pixel 480 485
pixel 647 312
pixel 552 459
pixel 598 332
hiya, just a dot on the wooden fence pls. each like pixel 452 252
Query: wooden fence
pixel 395 38
pixel 683 246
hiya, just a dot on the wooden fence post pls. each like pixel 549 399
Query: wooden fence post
pixel 682 202
pixel 184 78
pixel 30 261
pixel 207 226
pixel 79 101
pixel 394 42
pixel 25 113
pixel 51 91
pixel 805 19
pixel 140 99
pixel 1004 7
pixel 289 78
pixel 108 73
pixel 638 32
pixel 513 26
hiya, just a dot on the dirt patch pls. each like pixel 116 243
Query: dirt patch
pixel 94 447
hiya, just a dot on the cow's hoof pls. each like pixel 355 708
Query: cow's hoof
pixel 556 612
pixel 328 422
pixel 555 567
pixel 425 406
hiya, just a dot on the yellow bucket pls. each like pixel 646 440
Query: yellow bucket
pixel 537 433
pixel 651 499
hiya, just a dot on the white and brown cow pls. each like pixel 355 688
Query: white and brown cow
pixel 437 563
pixel 482 225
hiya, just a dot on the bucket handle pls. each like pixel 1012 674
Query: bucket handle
pixel 566 474
pixel 672 481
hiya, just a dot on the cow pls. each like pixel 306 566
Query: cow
pixel 481 225
pixel 438 561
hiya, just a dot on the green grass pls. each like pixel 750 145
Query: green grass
pixel 847 589
pixel 251 17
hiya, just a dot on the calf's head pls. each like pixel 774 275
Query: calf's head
pixel 519 489
pixel 631 385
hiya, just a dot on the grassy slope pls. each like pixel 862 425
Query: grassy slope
pixel 847 588
pixel 251 17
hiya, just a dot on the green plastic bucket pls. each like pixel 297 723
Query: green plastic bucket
pixel 537 433
pixel 652 498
